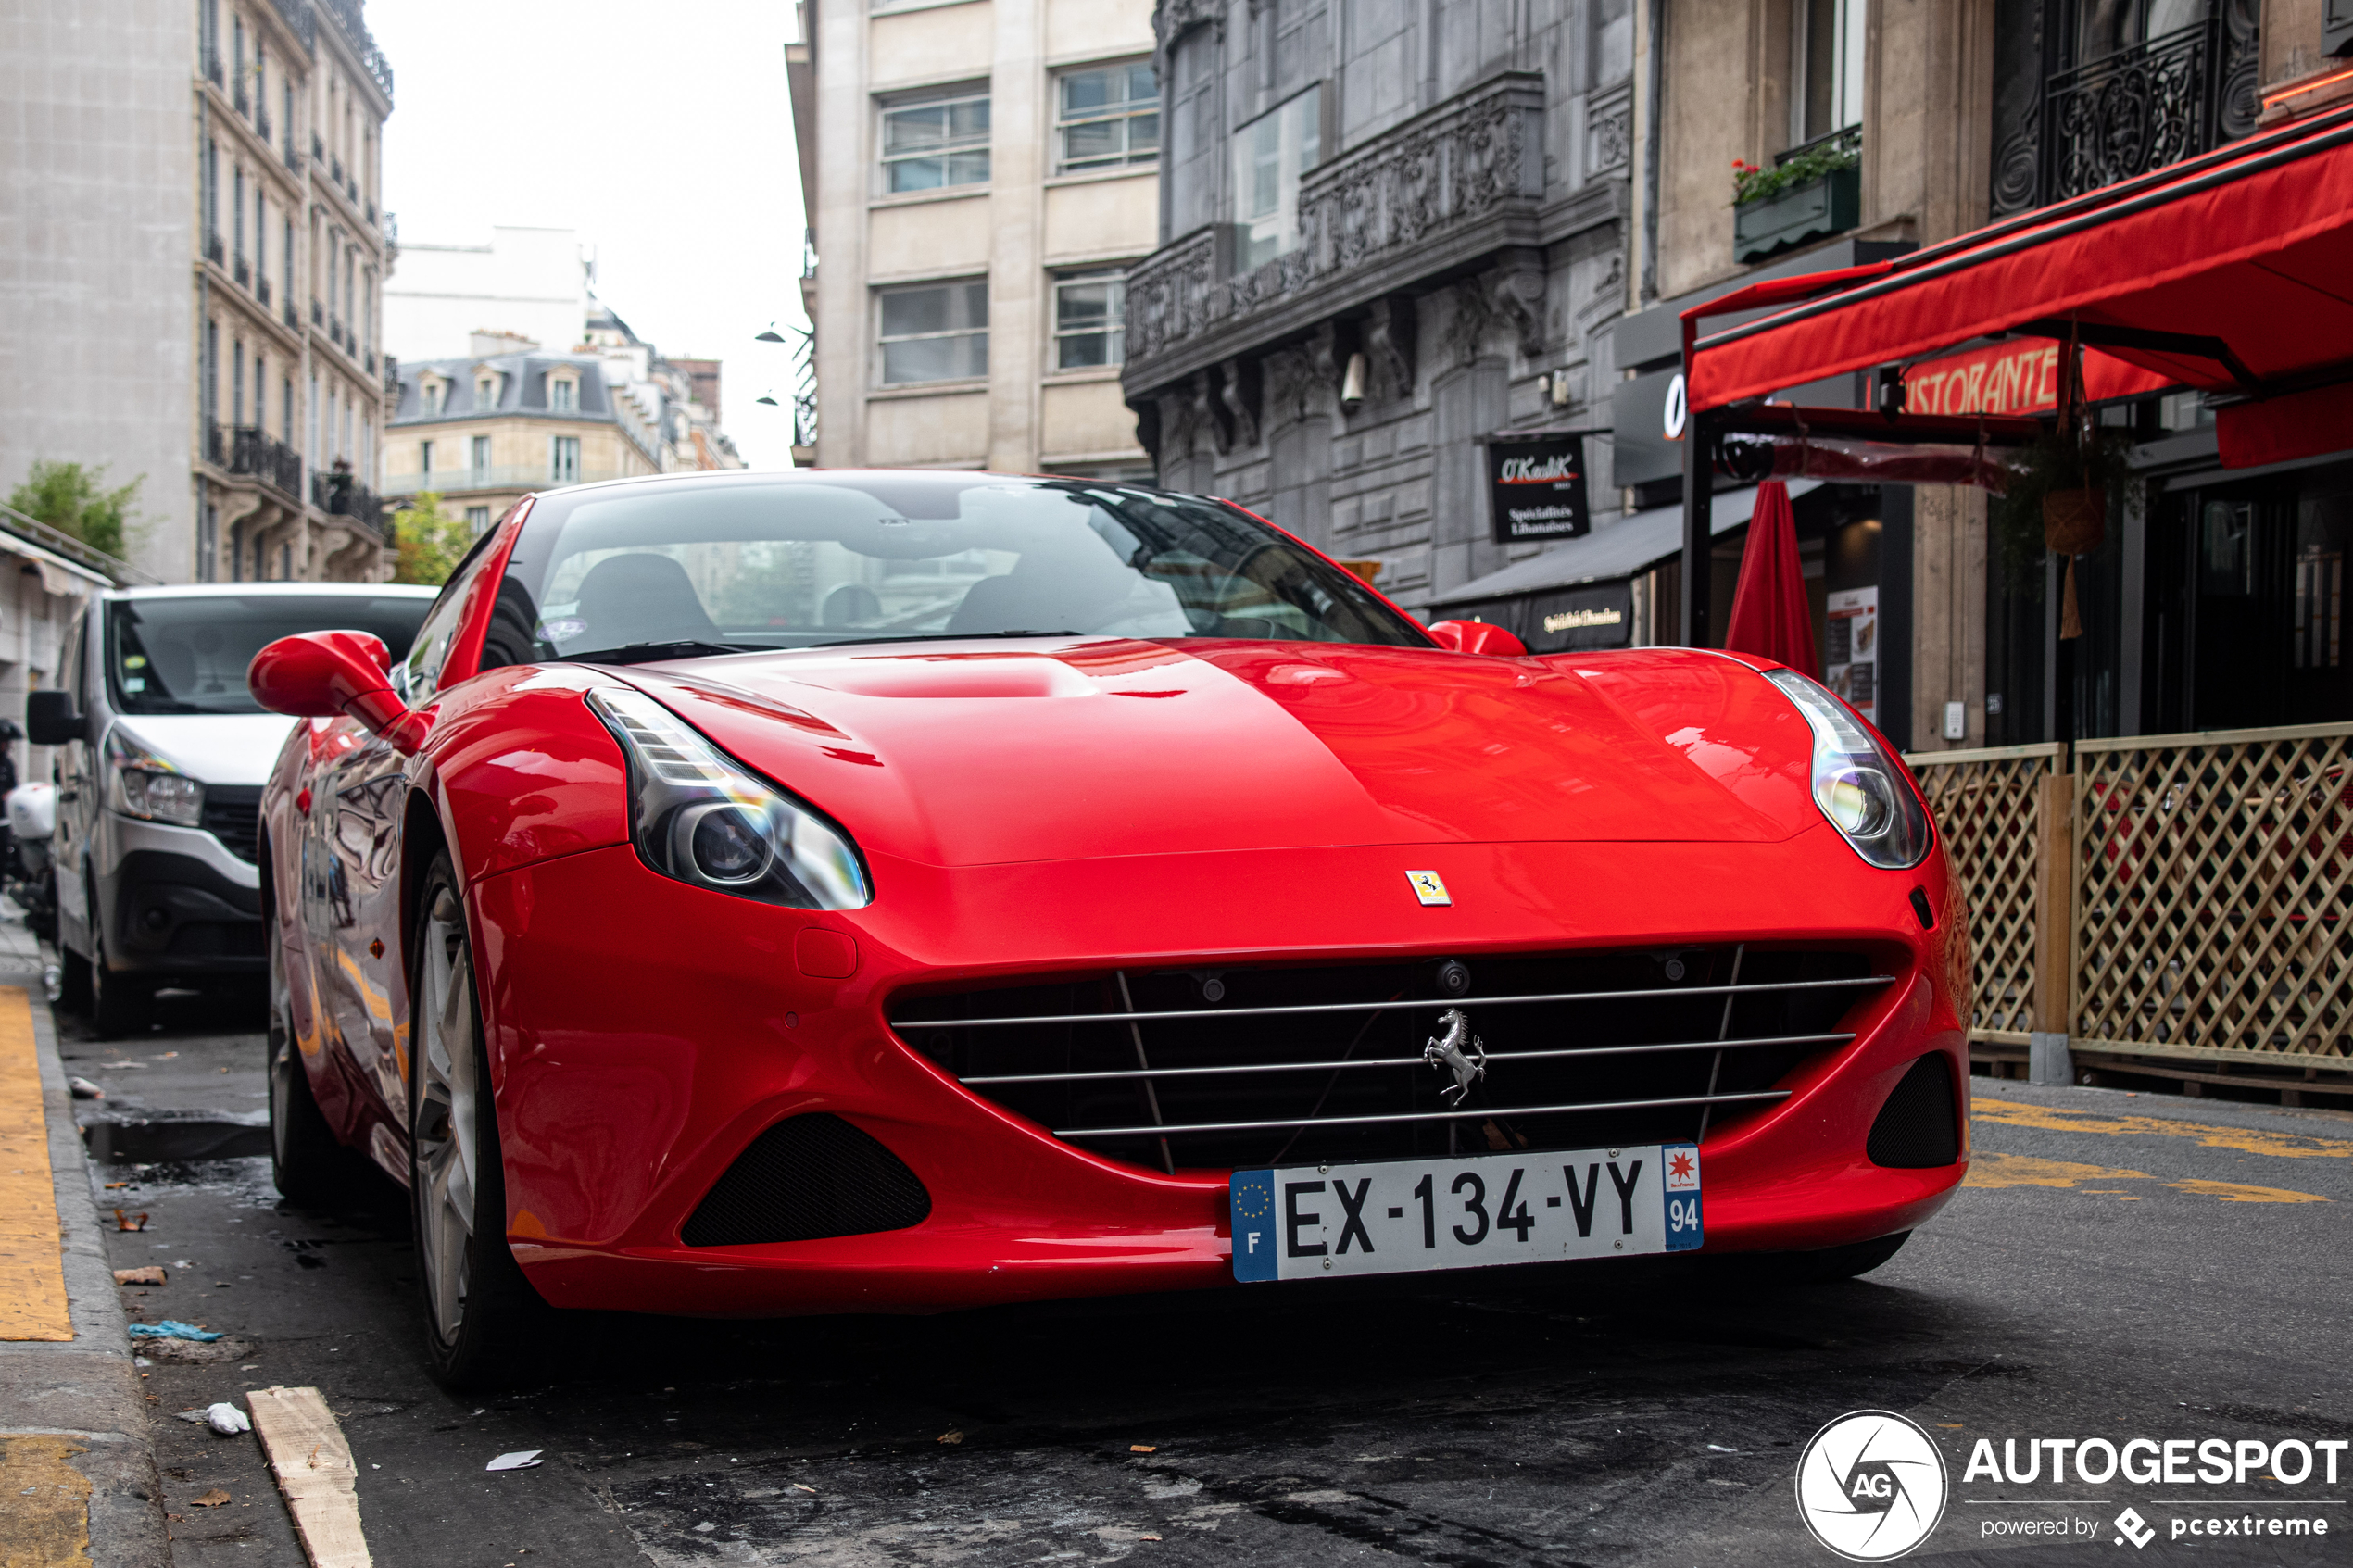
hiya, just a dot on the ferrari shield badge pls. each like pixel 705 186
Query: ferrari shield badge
pixel 1430 887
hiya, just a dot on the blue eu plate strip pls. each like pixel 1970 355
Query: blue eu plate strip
pixel 1682 1181
pixel 1252 1194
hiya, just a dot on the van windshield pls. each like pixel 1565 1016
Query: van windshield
pixel 188 655
pixel 652 572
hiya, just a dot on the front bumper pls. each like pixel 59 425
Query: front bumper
pixel 174 902
pixel 635 1059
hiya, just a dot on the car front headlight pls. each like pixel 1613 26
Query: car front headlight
pixel 699 815
pixel 1858 786
pixel 140 783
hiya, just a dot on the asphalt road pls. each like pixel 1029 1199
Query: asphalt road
pixel 2122 1266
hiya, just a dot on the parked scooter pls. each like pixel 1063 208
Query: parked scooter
pixel 32 877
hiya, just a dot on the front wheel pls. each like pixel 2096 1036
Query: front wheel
pixel 482 1316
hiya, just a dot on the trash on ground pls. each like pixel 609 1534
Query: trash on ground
pixel 811 1490
pixel 171 1328
pixel 123 1221
pixel 84 1089
pixel 111 1185
pixel 213 1499
pixel 1148 1538
pixel 952 1436
pixel 521 1459
pixel 1143 1447
pixel 152 1274
pixel 227 1419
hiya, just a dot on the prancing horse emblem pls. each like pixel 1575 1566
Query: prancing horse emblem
pixel 1456 1050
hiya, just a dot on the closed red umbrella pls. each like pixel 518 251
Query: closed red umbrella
pixel 1769 613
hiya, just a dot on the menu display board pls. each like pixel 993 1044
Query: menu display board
pixel 1850 649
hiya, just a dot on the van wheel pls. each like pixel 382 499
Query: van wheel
pixel 482 1316
pixel 119 1004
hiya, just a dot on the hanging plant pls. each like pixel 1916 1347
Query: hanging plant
pixel 2058 496
pixel 1754 182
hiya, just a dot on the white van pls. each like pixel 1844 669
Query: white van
pixel 161 755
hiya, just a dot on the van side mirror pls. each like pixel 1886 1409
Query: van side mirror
pixel 1477 636
pixel 328 675
pixel 50 719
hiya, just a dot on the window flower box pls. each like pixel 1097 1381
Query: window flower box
pixel 1829 204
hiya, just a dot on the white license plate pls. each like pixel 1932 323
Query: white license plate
pixel 1318 1222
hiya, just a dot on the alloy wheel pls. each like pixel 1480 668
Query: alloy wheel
pixel 446 1168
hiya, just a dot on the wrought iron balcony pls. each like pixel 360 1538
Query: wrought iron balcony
pixel 2138 108
pixel 291 316
pixel 261 287
pixel 241 271
pixel 212 67
pixel 252 452
pixel 216 249
pixel 238 96
pixel 299 17
pixel 337 495
pixel 261 125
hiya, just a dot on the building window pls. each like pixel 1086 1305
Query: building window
pixel 236 381
pixel 1270 154
pixel 286 412
pixel 935 142
pixel 564 459
pixel 208 543
pixel 485 392
pixel 937 332
pixel 1108 119
pixel 1826 61
pixel 431 393
pixel 1090 312
pixel 424 457
pixel 481 452
pixel 478 520
pixel 563 395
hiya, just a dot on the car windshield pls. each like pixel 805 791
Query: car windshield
pixel 659 569
pixel 188 654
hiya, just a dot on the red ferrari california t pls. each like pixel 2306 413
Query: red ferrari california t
pixel 828 891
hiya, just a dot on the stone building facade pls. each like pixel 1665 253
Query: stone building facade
pixel 1387 231
pixel 979 176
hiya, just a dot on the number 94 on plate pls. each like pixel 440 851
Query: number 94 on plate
pixel 1318 1222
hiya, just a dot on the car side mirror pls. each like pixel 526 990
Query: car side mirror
pixel 1477 636
pixel 328 675
pixel 50 719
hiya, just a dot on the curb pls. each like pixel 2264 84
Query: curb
pixel 85 1388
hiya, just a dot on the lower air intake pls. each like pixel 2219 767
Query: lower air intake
pixel 806 1178
pixel 1917 1127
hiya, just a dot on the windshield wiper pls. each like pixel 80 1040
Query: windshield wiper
pixel 641 653
pixel 945 636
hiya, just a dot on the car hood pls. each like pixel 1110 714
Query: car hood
pixel 1057 748
pixel 215 749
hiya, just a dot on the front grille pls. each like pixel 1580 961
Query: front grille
pixel 233 814
pixel 806 1178
pixel 1242 1067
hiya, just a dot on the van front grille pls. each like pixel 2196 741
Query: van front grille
pixel 1243 1067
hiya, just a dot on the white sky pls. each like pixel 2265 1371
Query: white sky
pixel 662 134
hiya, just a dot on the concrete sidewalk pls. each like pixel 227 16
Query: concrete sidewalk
pixel 78 1481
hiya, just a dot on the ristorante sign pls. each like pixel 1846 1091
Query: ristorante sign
pixel 2018 376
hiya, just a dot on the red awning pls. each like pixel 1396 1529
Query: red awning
pixel 2233 271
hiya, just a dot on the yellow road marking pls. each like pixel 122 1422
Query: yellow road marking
pixel 2026 1169
pixel 45 1502
pixel 2239 1192
pixel 33 1276
pixel 2247 1140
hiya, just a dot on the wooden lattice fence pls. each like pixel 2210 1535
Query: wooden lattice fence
pixel 2213 882
pixel 1990 808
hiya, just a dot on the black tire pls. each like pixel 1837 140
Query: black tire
pixel 73 980
pixel 119 1004
pixel 482 1318
pixel 309 1166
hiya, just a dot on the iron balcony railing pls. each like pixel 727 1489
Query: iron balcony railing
pixel 239 97
pixel 291 316
pixel 354 28
pixel 337 495
pixel 299 17
pixel 261 124
pixel 249 450
pixel 212 67
pixel 2152 103
pixel 242 272
pixel 216 249
pixel 261 287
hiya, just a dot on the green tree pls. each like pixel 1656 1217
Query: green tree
pixel 431 542
pixel 73 499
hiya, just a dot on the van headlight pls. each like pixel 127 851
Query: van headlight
pixel 1857 784
pixel 699 815
pixel 140 783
